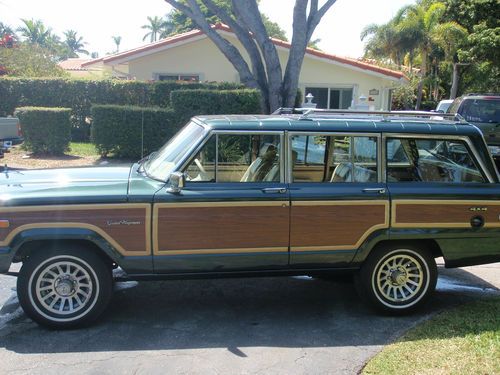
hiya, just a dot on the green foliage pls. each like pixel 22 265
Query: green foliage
pixel 119 129
pixel 45 130
pixel 178 22
pixel 188 103
pixel 403 97
pixel 29 61
pixel 79 95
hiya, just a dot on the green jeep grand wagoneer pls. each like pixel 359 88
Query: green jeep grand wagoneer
pixel 377 194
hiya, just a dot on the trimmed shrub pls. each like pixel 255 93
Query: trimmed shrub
pixel 188 103
pixel 81 94
pixel 125 130
pixel 45 130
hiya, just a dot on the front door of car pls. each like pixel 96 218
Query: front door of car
pixel 338 200
pixel 233 212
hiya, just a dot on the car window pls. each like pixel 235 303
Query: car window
pixel 481 110
pixel 430 160
pixel 330 159
pixel 237 158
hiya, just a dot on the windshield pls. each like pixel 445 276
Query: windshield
pixel 161 164
pixel 481 110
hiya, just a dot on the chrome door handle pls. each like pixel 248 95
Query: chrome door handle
pixel 274 190
pixel 374 190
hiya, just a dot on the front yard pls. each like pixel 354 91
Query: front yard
pixel 80 154
pixel 465 340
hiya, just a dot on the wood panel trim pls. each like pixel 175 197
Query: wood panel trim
pixel 355 246
pixel 157 206
pixel 452 202
pixel 102 232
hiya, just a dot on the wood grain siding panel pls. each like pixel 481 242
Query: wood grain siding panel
pixel 335 225
pixel 126 226
pixel 439 214
pixel 221 228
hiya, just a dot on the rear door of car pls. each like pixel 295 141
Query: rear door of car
pixel 441 190
pixel 232 214
pixel 339 203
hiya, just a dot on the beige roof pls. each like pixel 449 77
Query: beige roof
pixel 73 64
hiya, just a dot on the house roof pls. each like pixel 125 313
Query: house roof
pixel 73 64
pixel 153 47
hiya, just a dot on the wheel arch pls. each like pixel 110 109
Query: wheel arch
pixel 429 244
pixel 28 241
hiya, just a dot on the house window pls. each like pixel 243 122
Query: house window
pixel 331 98
pixel 179 77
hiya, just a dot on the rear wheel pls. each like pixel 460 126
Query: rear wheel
pixel 64 288
pixel 397 279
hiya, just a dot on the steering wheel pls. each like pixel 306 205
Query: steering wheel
pixel 200 166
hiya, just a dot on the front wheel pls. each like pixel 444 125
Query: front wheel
pixel 64 288
pixel 397 279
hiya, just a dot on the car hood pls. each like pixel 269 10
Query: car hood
pixel 74 185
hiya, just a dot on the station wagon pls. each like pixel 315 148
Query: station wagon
pixel 379 195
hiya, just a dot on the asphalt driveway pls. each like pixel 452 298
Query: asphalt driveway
pixel 292 325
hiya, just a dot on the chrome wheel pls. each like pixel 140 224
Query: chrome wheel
pixel 399 278
pixel 64 287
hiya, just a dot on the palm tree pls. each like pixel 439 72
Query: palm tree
pixel 450 36
pixel 155 28
pixel 384 42
pixel 35 32
pixel 420 21
pixel 74 43
pixel 168 27
pixel 6 30
pixel 117 40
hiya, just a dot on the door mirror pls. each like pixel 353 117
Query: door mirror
pixel 177 181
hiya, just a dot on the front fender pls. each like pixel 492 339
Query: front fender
pixel 131 264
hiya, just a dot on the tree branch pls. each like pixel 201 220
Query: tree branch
pixel 246 40
pixel 248 12
pixel 193 11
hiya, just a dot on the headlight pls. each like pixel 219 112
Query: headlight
pixel 494 150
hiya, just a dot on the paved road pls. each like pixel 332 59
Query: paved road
pixel 248 326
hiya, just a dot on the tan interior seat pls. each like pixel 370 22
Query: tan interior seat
pixel 343 173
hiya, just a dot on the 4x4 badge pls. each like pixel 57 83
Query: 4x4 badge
pixel 475 209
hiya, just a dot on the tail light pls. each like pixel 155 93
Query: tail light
pixel 19 131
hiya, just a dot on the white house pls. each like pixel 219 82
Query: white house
pixel 336 82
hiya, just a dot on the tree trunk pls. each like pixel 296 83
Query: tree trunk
pixel 454 82
pixel 423 74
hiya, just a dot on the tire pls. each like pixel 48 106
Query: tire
pixel 64 287
pixel 397 279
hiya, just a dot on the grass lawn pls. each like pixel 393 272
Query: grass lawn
pixel 82 149
pixel 464 340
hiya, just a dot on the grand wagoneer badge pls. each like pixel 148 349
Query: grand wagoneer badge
pixel 122 222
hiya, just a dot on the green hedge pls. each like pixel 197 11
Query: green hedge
pixel 81 94
pixel 188 103
pixel 118 129
pixel 45 130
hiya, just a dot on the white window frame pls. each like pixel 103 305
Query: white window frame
pixel 330 87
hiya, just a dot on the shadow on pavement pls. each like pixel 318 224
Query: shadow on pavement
pixel 293 312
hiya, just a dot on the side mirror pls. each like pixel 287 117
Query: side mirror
pixel 177 181
pixel 440 111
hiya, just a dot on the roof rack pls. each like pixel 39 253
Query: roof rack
pixel 386 115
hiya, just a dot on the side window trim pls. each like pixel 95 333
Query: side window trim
pixel 237 132
pixel 291 134
pixel 474 154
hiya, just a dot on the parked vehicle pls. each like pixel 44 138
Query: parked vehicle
pixel 379 195
pixel 443 105
pixel 10 132
pixel 482 110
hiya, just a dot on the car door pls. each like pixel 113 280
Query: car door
pixel 338 201
pixel 233 212
pixel 441 190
